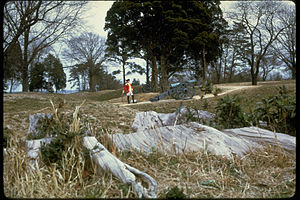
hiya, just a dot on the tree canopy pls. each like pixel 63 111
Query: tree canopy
pixel 167 31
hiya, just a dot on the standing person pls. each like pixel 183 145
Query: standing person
pixel 129 90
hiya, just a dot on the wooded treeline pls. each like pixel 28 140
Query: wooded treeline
pixel 32 29
pixel 193 36
pixel 177 39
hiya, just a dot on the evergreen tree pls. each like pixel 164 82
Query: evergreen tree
pixel 55 72
pixel 167 30
pixel 12 63
pixel 37 77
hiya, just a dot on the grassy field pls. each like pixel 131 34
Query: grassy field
pixel 264 173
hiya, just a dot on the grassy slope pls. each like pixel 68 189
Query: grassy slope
pixel 265 173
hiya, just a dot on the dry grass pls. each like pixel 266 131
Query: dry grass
pixel 261 173
pixel 264 173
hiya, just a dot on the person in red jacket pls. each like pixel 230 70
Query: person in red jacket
pixel 129 90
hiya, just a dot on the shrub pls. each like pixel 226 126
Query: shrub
pixel 207 87
pixel 174 193
pixel 60 127
pixel 53 152
pixel 229 113
pixel 217 91
pixel 205 105
pixel 278 111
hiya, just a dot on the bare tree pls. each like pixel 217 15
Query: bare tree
pixel 285 47
pixel 269 62
pixel 87 49
pixel 37 25
pixel 260 22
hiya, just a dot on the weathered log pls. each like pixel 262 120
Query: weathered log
pixel 197 137
pixel 106 161
pixel 102 157
pixel 127 174
pixel 150 119
pixel 33 147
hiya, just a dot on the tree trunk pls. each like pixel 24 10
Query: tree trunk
pixel 92 82
pixel 255 71
pixel 91 71
pixel 154 81
pixel 11 85
pixel 254 79
pixel 231 68
pixel 147 72
pixel 124 78
pixel 164 84
pixel 225 69
pixel 204 64
pixel 198 72
pixel 25 83
pixel 293 69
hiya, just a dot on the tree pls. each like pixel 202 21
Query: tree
pixel 285 46
pixel 259 20
pixel 55 72
pixel 106 81
pixel 235 47
pixel 87 49
pixel 118 51
pixel 37 25
pixel 269 62
pixel 37 77
pixel 79 76
pixel 205 45
pixel 164 30
pixel 12 63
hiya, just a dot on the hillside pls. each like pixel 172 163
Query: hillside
pixel 263 173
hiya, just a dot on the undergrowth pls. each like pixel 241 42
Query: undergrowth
pixel 278 111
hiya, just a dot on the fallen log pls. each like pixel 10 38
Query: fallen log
pixel 107 162
pixel 127 174
pixel 101 156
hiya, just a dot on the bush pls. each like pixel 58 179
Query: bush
pixel 174 193
pixel 63 138
pixel 53 152
pixel 207 87
pixel 229 113
pixel 217 91
pixel 278 111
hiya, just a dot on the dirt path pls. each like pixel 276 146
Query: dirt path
pixel 226 89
